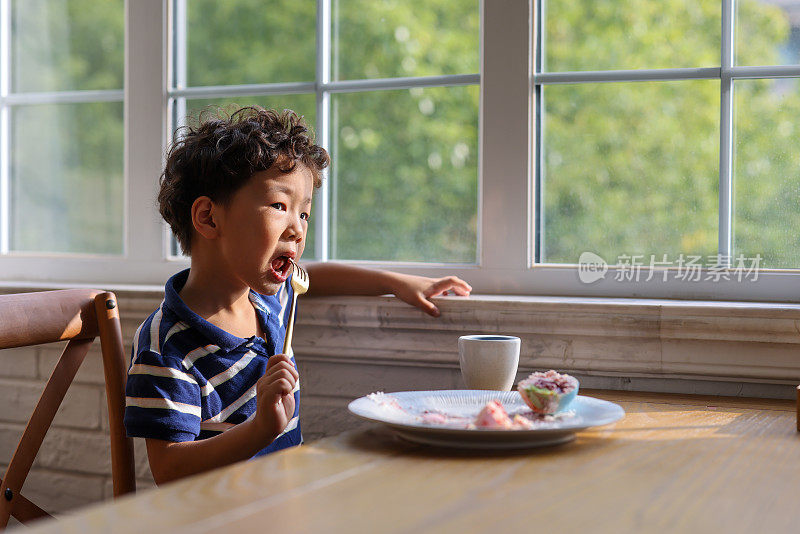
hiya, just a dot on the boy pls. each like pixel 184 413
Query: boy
pixel 207 386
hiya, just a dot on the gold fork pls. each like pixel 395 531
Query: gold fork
pixel 299 286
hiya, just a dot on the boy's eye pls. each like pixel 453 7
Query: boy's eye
pixel 279 206
pixel 305 216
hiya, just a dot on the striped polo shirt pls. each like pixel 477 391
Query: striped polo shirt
pixel 191 380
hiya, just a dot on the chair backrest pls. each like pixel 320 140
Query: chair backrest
pixel 76 316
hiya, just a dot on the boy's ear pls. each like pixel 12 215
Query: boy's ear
pixel 203 217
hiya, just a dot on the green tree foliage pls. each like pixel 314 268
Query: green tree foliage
pixel 766 156
pixel 250 41
pixel 66 45
pixel 623 172
pixel 405 175
pixel 67 191
pixel 388 38
pixel 633 168
pixel 405 162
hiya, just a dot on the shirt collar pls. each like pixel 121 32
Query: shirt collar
pixel 214 334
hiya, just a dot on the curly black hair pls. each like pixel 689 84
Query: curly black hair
pixel 218 156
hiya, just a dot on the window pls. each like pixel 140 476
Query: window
pixel 61 128
pixel 496 141
pixel 390 87
pixel 666 132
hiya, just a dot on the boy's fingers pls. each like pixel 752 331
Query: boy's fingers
pixel 442 285
pixel 286 386
pixel 288 406
pixel 279 389
pixel 274 378
pixel 462 288
pixel 282 366
pixel 437 287
pixel 428 307
pixel 277 358
pixel 283 374
pixel 280 360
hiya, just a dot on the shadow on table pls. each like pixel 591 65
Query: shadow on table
pixel 380 440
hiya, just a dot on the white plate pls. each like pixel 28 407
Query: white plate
pixel 404 418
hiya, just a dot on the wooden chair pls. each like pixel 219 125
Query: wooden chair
pixel 76 316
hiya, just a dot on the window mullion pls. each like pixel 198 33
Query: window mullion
pixel 637 75
pixel 5 127
pixel 393 84
pixel 726 136
pixel 145 109
pixel 179 41
pixel 505 137
pixel 537 144
pixel 323 221
pixel 179 68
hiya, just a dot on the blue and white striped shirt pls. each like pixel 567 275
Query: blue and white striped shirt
pixel 191 380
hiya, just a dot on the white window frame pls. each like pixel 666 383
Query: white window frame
pixel 144 109
pixel 506 204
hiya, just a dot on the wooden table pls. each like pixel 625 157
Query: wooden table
pixel 673 464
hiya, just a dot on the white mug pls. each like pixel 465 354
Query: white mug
pixel 489 361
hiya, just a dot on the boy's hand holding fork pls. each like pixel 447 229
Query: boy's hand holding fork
pixel 275 397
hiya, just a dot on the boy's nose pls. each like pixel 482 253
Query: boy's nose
pixel 295 232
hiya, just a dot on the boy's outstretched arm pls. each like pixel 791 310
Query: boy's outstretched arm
pixel 331 278
pixel 275 400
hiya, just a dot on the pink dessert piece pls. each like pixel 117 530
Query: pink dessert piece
pixel 493 415
pixel 522 423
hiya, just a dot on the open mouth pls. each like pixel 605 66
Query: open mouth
pixel 281 265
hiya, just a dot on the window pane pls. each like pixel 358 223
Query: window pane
pixel 61 45
pixel 630 34
pixel 767 171
pixel 406 175
pixel 767 32
pixel 304 105
pixel 631 168
pixel 250 41
pixel 67 178
pixel 412 38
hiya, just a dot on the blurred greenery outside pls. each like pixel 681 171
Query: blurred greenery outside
pixel 629 168
pixel 66 160
pixel 633 168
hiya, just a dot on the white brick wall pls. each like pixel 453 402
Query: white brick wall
pixel 18 363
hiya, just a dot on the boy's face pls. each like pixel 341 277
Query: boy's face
pixel 265 224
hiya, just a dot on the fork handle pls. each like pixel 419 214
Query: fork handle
pixel 287 340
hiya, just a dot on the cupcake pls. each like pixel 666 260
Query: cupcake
pixel 549 392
